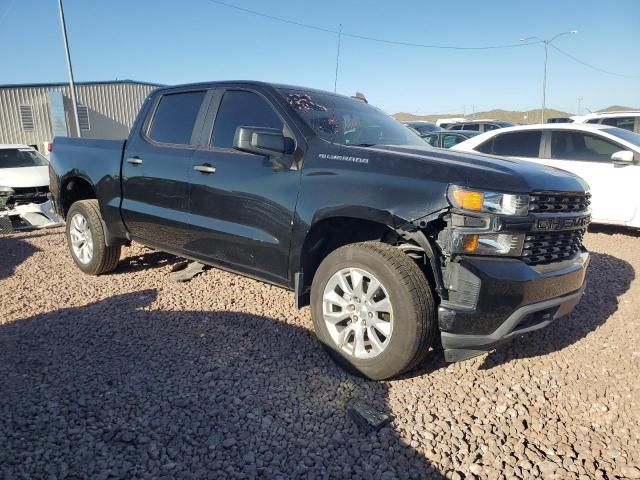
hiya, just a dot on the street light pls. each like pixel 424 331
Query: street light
pixel 546 52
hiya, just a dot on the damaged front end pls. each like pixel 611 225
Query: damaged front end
pixel 26 209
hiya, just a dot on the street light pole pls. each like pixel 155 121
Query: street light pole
pixel 546 57
pixel 72 87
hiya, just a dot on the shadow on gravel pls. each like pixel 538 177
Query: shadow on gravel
pixel 608 278
pixel 114 389
pixel 13 251
pixel 614 230
pixel 146 261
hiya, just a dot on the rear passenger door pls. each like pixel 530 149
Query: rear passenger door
pixel 157 169
pixel 243 207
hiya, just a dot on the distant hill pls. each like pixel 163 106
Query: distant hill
pixel 515 116
pixel 617 108
pixel 531 116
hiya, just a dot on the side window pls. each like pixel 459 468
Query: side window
pixel 449 141
pixel 581 146
pixel 175 117
pixel 472 126
pixel 516 144
pixel 594 120
pixel 431 140
pixel 620 122
pixel 490 126
pixel 457 126
pixel 242 109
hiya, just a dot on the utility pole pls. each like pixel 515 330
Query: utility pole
pixel 546 55
pixel 335 81
pixel 72 87
pixel 579 104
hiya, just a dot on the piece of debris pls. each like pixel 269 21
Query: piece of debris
pixel 367 419
pixel 185 271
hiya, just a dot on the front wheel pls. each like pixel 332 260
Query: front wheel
pixel 86 239
pixel 372 309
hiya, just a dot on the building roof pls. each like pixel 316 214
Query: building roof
pixel 63 84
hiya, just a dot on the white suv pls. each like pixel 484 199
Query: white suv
pixel 608 158
pixel 629 120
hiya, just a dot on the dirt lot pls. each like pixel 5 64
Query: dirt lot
pixel 128 375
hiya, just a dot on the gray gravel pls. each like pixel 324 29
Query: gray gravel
pixel 132 376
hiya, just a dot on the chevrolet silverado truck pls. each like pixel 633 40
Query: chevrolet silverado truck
pixel 397 247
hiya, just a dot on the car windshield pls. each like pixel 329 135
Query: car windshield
pixel 630 137
pixel 21 157
pixel 347 121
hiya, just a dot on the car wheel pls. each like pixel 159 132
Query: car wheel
pixel 86 239
pixel 373 310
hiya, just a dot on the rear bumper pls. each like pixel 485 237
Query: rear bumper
pixel 502 299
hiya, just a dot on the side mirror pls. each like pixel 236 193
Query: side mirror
pixel 262 141
pixel 623 157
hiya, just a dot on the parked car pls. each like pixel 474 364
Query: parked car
pixel 448 138
pixel 423 127
pixel 390 241
pixel 560 120
pixel 481 125
pixel 608 158
pixel 628 120
pixel 24 186
pixel 447 122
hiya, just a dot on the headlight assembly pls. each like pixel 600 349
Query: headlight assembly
pixel 489 202
pixel 6 191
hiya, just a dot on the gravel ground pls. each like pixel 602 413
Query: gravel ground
pixel 131 376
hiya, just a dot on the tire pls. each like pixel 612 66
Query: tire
pixel 403 332
pixel 84 223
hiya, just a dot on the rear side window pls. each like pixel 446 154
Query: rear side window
pixel 471 126
pixel 175 117
pixel 581 146
pixel 516 144
pixel 449 141
pixel 456 127
pixel 431 140
pixel 242 109
pixel 620 122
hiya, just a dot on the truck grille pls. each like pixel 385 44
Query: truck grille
pixel 550 247
pixel 554 202
pixel 28 195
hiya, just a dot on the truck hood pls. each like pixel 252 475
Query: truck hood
pixel 24 177
pixel 492 173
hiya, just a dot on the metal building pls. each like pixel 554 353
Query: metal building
pixel 32 114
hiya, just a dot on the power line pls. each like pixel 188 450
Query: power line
pixel 364 37
pixel 593 67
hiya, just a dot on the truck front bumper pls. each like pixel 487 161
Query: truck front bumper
pixel 493 300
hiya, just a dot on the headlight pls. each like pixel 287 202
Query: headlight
pixel 489 202
pixel 509 244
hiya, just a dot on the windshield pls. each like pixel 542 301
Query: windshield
pixel 21 157
pixel 624 135
pixel 347 121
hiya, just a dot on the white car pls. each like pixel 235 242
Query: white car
pixel 24 186
pixel 608 158
pixel 629 120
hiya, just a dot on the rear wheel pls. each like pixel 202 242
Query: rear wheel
pixel 86 239
pixel 372 309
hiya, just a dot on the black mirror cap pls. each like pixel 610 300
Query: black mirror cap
pixel 263 141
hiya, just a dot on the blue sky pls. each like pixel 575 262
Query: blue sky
pixel 170 41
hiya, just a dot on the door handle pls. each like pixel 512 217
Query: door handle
pixel 206 168
pixel 134 160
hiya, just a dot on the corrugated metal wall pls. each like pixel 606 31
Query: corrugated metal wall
pixel 118 102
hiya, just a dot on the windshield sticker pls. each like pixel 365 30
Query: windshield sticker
pixel 343 158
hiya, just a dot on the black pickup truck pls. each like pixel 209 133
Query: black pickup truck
pixel 397 247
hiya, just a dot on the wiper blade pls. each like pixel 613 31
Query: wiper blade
pixel 362 144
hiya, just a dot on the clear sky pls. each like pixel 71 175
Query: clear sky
pixel 178 41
